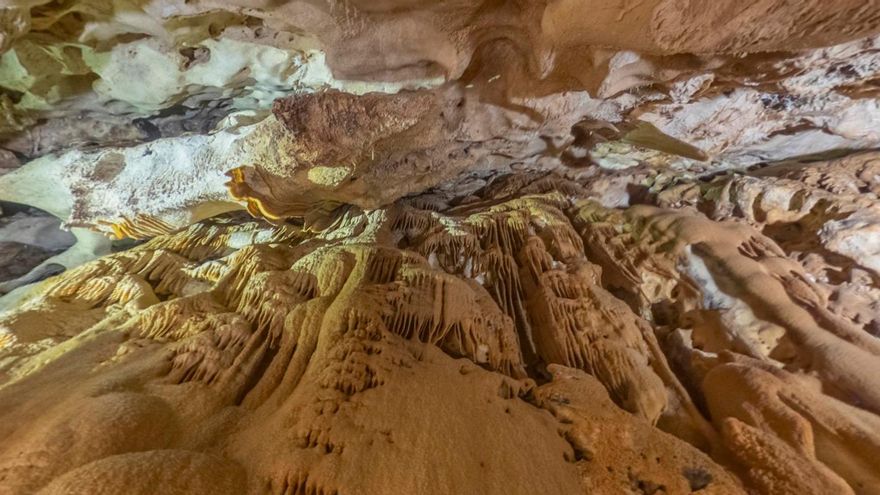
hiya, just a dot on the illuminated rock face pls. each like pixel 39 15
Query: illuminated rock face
pixel 526 338
pixel 568 246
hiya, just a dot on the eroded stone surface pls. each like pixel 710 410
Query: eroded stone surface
pixel 567 246
pixel 707 329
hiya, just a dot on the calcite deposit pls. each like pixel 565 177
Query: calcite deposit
pixel 316 247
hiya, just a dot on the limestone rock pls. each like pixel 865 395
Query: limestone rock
pixel 307 247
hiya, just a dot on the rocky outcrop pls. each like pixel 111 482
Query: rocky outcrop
pixel 500 323
pixel 563 246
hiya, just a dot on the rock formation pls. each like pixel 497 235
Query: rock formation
pixel 500 247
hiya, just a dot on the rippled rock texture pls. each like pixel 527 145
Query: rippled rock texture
pixel 455 247
pixel 525 339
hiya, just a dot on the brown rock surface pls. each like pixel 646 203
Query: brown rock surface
pixel 323 359
pixel 406 247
